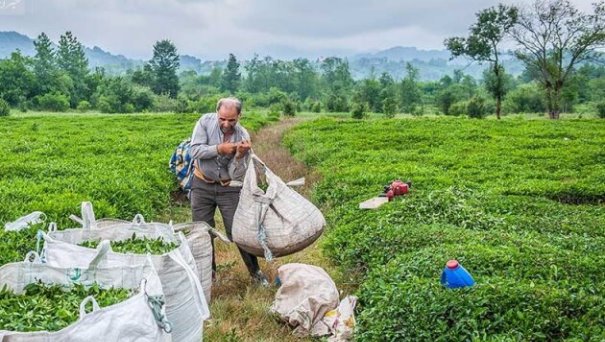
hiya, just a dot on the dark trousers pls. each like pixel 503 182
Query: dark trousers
pixel 205 198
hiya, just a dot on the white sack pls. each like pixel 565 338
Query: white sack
pixel 275 222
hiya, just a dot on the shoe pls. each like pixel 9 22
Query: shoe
pixel 260 279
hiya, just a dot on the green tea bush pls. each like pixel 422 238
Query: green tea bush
pixel 137 245
pixel 517 202
pixel 50 307
pixel 116 162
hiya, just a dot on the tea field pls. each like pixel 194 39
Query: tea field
pixel 520 203
pixel 51 163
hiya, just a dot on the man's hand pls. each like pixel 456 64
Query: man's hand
pixel 226 148
pixel 242 148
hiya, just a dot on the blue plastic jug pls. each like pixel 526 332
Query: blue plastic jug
pixel 455 276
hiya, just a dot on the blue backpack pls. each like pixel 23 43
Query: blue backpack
pixel 181 165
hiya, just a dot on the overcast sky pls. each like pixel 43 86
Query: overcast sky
pixel 211 29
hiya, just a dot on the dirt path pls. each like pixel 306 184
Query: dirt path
pixel 239 308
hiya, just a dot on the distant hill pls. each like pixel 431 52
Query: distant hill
pixel 97 57
pixel 400 53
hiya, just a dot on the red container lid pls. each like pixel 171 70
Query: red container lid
pixel 452 264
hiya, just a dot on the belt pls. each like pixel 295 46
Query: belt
pixel 199 174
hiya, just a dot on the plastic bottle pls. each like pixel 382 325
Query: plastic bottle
pixel 455 276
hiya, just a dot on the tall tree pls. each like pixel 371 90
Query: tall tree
pixel 44 65
pixel 554 37
pixel 164 65
pixel 73 62
pixel 16 79
pixel 483 42
pixel 410 96
pixel 304 77
pixel 231 76
pixel 336 73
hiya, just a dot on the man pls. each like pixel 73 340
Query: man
pixel 220 147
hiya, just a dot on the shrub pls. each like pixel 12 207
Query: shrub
pixel 274 110
pixel 316 107
pixel 4 108
pixel 83 106
pixel 389 107
pixel 164 103
pixel 108 104
pixel 143 99
pixel 476 107
pixel 54 102
pixel 359 110
pixel 458 108
pixel 600 109
pixel 289 107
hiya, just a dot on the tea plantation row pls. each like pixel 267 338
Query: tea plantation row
pixel 52 163
pixel 519 203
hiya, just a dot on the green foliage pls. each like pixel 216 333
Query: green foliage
pixel 458 108
pixel 316 107
pixel 410 96
pixel 231 76
pixel 54 102
pixel 137 245
pixel 5 109
pixel 50 307
pixel 163 67
pixel 600 109
pixel 16 80
pixel 337 102
pixel 359 110
pixel 517 202
pixel 84 106
pixel 289 107
pixel 72 61
pixel 526 98
pixel 554 38
pixel 476 107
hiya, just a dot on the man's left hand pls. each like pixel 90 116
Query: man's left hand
pixel 242 148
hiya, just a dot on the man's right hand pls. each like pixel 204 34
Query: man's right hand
pixel 226 148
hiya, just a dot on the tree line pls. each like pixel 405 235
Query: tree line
pixel 554 40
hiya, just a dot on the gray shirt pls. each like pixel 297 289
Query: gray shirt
pixel 207 135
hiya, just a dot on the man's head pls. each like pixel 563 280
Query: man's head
pixel 228 110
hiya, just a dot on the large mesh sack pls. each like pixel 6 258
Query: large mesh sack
pixel 186 306
pixel 275 222
pixel 140 318
pixel 197 235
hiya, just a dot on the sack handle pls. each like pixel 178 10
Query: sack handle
pixel 95 306
pixel 200 225
pixel 88 220
pixel 138 220
pixel 102 250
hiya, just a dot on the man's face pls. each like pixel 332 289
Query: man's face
pixel 227 118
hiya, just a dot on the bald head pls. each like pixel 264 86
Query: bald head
pixel 228 103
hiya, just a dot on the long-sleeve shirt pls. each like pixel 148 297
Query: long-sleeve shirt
pixel 207 135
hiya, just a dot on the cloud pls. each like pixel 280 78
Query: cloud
pixel 214 28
